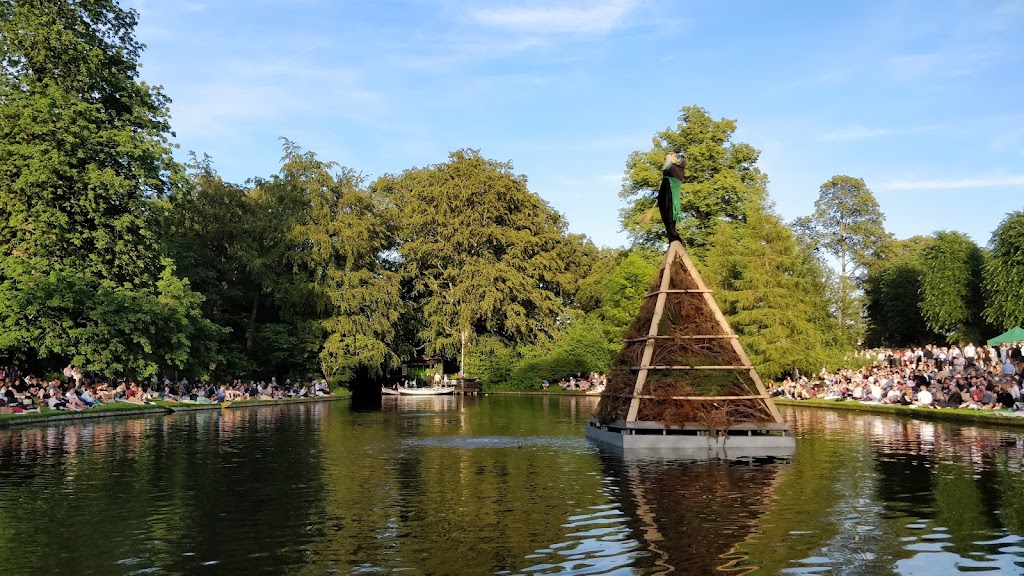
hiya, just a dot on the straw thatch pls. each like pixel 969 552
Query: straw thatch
pixel 683 339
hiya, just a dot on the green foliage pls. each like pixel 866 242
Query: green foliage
pixel 773 297
pixel 951 284
pixel 892 287
pixel 479 254
pixel 490 359
pixel 585 347
pixel 722 180
pixel 848 225
pixel 83 157
pixel 898 320
pixel 1004 274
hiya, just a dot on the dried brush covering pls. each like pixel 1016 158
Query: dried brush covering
pixel 711 414
pixel 685 314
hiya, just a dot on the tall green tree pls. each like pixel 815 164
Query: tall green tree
pixel 722 180
pixel 848 225
pixel 331 296
pixel 773 296
pixel 951 287
pixel 479 254
pixel 210 235
pixel 1004 274
pixel 892 288
pixel 84 155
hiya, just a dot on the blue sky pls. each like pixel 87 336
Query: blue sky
pixel 924 100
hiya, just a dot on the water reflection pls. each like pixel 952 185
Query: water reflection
pixel 498 485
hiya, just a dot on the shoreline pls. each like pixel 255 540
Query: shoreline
pixel 954 415
pixel 158 407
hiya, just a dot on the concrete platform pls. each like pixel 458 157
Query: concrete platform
pixel 694 442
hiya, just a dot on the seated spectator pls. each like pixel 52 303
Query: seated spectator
pixel 924 397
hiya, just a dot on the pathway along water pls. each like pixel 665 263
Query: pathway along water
pixel 497 485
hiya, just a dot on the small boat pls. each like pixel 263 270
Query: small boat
pixel 385 391
pixel 427 391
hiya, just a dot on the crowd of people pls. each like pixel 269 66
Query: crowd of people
pixel 973 377
pixel 593 383
pixel 26 393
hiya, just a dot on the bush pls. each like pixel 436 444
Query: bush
pixel 529 374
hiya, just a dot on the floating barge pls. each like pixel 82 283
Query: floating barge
pixel 682 381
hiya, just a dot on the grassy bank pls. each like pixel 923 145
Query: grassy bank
pixel 117 409
pixel 958 415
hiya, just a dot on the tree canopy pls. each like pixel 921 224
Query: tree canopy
pixel 848 225
pixel 774 297
pixel 479 253
pixel 83 157
pixel 722 180
pixel 1004 274
pixel 951 297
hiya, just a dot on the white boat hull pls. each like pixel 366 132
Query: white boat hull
pixel 439 391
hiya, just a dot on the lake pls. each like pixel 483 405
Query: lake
pixel 498 485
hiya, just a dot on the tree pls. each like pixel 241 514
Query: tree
pixel 1004 274
pixel 479 254
pixel 847 224
pixel 214 257
pixel 773 297
pixel 892 288
pixel 84 156
pixel 722 180
pixel 951 297
pixel 323 241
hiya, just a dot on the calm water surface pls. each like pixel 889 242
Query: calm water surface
pixel 498 485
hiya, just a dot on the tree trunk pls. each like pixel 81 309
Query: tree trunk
pixel 251 335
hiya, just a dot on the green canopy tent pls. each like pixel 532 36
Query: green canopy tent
pixel 1015 334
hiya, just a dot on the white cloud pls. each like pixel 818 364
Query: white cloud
pixel 951 184
pixel 575 17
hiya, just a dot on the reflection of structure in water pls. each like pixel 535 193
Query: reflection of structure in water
pixel 690 515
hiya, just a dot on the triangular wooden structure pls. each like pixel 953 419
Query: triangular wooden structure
pixel 682 366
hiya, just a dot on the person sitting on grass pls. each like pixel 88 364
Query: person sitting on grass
pixel 73 402
pixel 924 397
pixel 86 397
pixel 976 398
pixel 952 397
pixel 54 402
pixel 134 394
pixel 1004 399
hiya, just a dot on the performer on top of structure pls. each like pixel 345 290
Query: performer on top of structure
pixel 672 173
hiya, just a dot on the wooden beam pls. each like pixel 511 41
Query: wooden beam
pixel 688 398
pixel 667 291
pixel 698 337
pixel 728 329
pixel 744 367
pixel 659 309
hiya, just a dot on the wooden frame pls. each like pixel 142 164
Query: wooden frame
pixel 676 250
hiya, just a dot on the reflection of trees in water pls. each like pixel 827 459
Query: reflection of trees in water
pixel 902 435
pixel 961 481
pixel 690 516
pixel 165 493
